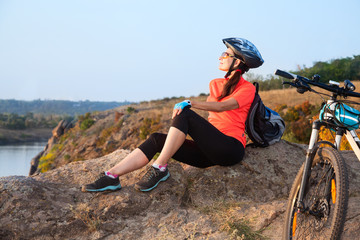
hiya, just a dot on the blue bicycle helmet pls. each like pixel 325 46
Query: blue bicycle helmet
pixel 245 50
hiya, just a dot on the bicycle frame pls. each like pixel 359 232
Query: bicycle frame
pixel 351 136
pixel 354 141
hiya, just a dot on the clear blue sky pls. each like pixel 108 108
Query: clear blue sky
pixel 116 50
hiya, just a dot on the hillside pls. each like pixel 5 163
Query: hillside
pixel 245 201
pixel 124 127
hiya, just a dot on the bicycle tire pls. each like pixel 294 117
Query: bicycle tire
pixel 331 207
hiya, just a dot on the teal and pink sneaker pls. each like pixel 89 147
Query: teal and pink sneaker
pixel 151 179
pixel 102 183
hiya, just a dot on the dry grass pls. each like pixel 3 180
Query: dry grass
pixel 290 97
pixel 85 214
pixel 227 216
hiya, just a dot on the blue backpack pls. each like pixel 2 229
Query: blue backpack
pixel 263 125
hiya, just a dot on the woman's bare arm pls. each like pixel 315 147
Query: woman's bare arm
pixel 227 105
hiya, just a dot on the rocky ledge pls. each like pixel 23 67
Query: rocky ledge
pixel 212 203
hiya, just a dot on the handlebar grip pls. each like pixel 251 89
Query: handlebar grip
pixel 285 74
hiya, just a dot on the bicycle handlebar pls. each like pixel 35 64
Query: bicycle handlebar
pixel 302 83
pixel 285 74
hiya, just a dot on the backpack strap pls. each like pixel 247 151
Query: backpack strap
pixel 256 84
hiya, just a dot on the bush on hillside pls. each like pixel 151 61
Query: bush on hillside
pixel 86 121
pixel 298 121
pixel 130 110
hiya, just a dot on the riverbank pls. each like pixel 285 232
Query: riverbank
pixel 15 159
pixel 8 136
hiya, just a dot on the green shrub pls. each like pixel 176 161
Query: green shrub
pixel 67 157
pixel 130 110
pixel 87 123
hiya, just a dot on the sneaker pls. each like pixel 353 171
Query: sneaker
pixel 102 183
pixel 151 179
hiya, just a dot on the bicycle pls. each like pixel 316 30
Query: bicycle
pixel 318 198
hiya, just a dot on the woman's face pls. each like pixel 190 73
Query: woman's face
pixel 225 61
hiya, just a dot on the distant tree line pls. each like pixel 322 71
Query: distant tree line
pixel 30 120
pixel 336 69
pixel 57 107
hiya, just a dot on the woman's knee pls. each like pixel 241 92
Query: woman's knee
pixel 153 144
pixel 181 121
pixel 185 113
pixel 157 138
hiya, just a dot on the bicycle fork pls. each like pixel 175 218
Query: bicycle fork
pixel 310 154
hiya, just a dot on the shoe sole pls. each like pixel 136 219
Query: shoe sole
pixel 149 189
pixel 108 188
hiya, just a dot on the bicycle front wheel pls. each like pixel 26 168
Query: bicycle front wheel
pixel 325 199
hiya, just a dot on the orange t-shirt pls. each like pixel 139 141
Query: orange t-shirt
pixel 232 122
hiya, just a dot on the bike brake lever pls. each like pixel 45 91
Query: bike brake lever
pixel 302 87
pixel 290 83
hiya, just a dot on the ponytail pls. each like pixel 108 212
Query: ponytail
pixel 229 87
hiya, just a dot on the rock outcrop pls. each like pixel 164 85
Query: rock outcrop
pixel 192 204
pixel 57 132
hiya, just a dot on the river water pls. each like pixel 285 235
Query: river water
pixel 15 159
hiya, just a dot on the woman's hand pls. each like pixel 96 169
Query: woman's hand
pixel 178 108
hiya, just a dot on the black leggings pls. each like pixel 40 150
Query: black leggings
pixel 209 146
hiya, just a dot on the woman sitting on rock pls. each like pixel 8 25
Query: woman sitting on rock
pixel 219 141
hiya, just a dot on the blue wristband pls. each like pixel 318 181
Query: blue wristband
pixel 183 105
